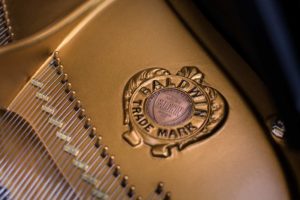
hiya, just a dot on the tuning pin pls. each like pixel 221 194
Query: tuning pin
pixel 159 188
pixel 167 196
pixel 87 123
pixel 139 198
pixel 111 161
pixel 77 105
pixel 72 96
pixel 117 171
pixel 64 78
pixel 131 191
pixel 104 152
pixel 68 87
pixel 98 142
pixel 124 181
pixel 60 69
pixel 81 113
pixel 93 133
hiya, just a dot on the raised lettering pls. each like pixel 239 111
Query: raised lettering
pixel 149 127
pixel 145 91
pixel 156 85
pixel 169 83
pixel 143 122
pixel 138 117
pixel 173 134
pixel 136 110
pixel 182 131
pixel 162 132
pixel 190 127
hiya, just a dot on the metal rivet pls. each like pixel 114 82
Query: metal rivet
pixel 159 188
pixel 64 78
pixel 77 105
pixel 131 191
pixel 87 123
pixel 60 69
pixel 68 87
pixel 55 54
pixel 117 171
pixel 124 181
pixel 81 113
pixel 167 196
pixel 104 152
pixel 72 96
pixel 111 161
pixel 92 132
pixel 98 142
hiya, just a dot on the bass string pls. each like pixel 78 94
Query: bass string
pixel 17 125
pixel 11 121
pixel 21 102
pixel 54 153
pixel 113 182
pixel 44 168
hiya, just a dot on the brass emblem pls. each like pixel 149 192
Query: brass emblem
pixel 164 110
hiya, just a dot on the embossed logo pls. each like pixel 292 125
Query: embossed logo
pixel 164 110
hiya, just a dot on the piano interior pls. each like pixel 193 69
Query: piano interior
pixel 132 99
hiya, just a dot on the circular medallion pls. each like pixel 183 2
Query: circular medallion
pixel 164 110
pixel 169 107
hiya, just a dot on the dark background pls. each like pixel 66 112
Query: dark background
pixel 265 33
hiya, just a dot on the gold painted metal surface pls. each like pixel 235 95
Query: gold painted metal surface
pixel 31 16
pixel 127 36
pixel 19 60
pixel 236 163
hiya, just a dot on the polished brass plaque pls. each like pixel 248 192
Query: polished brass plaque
pixel 164 110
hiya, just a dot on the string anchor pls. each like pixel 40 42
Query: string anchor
pixel 104 152
pixel 98 142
